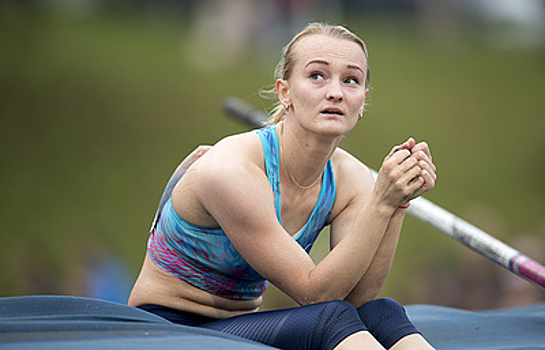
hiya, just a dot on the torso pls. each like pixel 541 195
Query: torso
pixel 155 286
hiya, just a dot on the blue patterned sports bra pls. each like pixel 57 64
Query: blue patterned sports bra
pixel 205 257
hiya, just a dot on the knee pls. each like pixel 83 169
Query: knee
pixel 337 319
pixel 387 320
pixel 379 311
pixel 385 305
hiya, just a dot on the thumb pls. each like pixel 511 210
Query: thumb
pixel 409 144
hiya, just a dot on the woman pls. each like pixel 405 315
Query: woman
pixel 247 211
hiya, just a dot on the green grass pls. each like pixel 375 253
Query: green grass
pixel 96 113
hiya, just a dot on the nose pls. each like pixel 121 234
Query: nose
pixel 334 91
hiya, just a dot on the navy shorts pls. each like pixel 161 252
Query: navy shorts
pixel 317 326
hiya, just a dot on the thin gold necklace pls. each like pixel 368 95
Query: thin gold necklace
pixel 288 168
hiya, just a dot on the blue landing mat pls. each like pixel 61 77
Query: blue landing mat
pixel 63 322
pixel 447 328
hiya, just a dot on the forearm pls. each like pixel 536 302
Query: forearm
pixel 351 257
pixel 407 172
pixel 373 279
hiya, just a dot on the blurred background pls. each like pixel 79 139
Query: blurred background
pixel 101 99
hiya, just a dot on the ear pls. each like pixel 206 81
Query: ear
pixel 363 106
pixel 283 91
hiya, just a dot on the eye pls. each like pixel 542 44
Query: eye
pixel 317 76
pixel 351 81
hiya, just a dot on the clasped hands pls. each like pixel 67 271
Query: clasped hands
pixel 406 173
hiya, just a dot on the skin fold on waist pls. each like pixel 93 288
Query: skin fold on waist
pixel 155 286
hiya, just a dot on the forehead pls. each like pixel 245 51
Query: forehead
pixel 330 49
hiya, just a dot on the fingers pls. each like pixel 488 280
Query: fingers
pixel 200 150
pixel 192 158
pixel 399 156
pixel 407 145
pixel 412 177
pixel 422 153
pixel 422 147
pixel 406 173
pixel 196 154
pixel 427 170
pixel 415 163
pixel 424 161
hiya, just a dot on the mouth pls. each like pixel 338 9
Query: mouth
pixel 332 111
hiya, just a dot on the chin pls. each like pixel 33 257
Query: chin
pixel 338 127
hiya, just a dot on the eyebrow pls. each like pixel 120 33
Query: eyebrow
pixel 351 66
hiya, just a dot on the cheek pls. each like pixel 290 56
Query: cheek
pixel 359 101
pixel 304 96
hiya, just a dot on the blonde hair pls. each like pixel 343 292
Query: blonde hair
pixel 285 66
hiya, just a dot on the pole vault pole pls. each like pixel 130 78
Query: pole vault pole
pixel 430 213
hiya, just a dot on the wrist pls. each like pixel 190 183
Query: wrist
pixel 382 207
pixel 404 207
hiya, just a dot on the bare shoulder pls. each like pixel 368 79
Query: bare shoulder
pixel 236 148
pixel 353 180
pixel 234 167
pixel 234 153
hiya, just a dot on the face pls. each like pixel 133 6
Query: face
pixel 326 90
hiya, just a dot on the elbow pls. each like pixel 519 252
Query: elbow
pixel 320 295
pixel 317 288
pixel 310 300
pixel 363 295
pixel 360 299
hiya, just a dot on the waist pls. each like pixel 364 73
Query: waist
pixel 156 286
pixel 177 316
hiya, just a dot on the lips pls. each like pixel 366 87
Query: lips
pixel 333 111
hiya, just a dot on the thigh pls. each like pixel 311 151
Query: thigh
pixel 318 326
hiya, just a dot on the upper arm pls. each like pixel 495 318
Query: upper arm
pixel 354 186
pixel 236 192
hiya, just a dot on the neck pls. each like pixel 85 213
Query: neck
pixel 304 155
